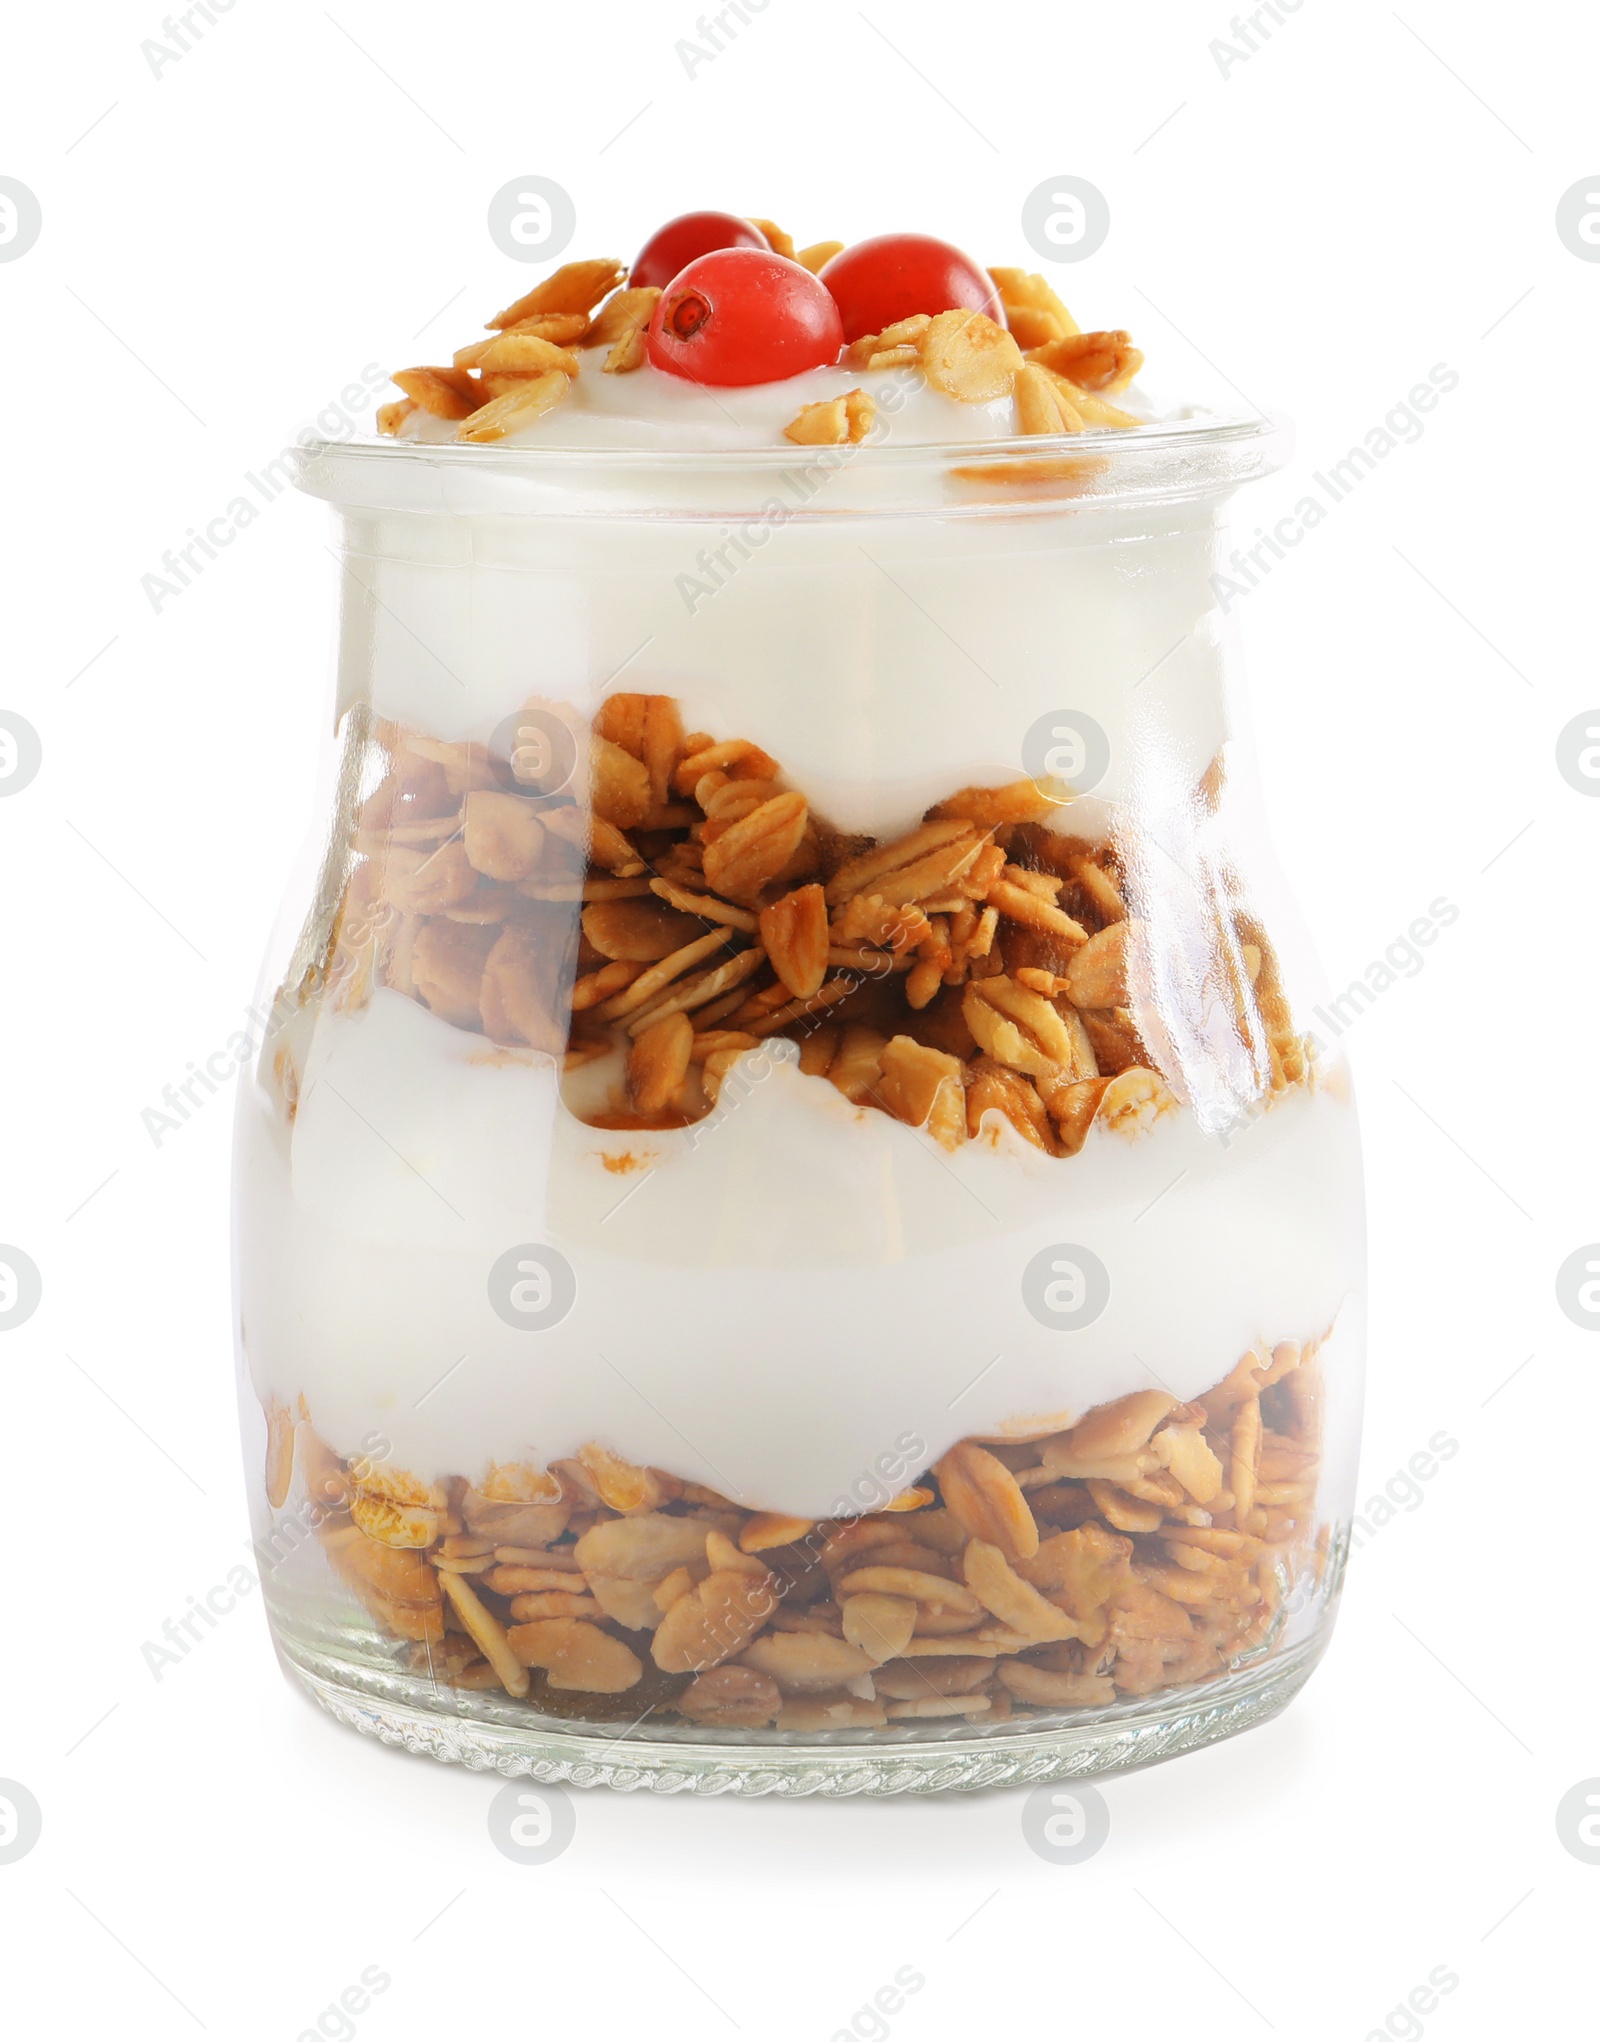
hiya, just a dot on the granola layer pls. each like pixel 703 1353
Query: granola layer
pixel 1153 1545
pixel 675 903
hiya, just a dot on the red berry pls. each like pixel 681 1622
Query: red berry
pixel 893 276
pixel 689 235
pixel 744 315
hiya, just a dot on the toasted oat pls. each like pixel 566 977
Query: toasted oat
pixel 575 1655
pixel 400 1573
pixel 879 1625
pixel 524 354
pixel 731 1697
pixel 619 1484
pixel 1134 1102
pixel 1006 1092
pixel 1093 409
pixel 966 355
pixel 1037 1685
pixel 574 287
pixel 536 1578
pixel 736 757
pixel 1102 890
pixel 448 393
pixel 757 849
pixel 562 328
pixel 780 243
pixel 962 1646
pixel 716 1621
pixel 532 1604
pixel 991 808
pixel 806 1662
pixel 1018 1028
pixel 423 881
pixel 820 1047
pixel 516 409
pixel 981 1493
pixel 1042 405
pixel 487 1633
pixel 858 1064
pixel 679 1583
pixel 1097 974
pixel 833 422
pixel 623 1558
pixel 861 413
pixel 1033 311
pixel 280 1452
pixel 899 1549
pixel 922 1087
pixel 1006 1595
pixel 824 1712
pixel 824 424
pixel 1110 1432
pixel 620 326
pixel 1183 1450
pixel 818 255
pixel 984 1497
pixel 946 1675
pixel 620 785
pixel 481 1563
pixel 794 931
pixel 924 863
pixel 639 931
pixel 391 417
pixel 765 1529
pixel 394 1524
pixel 658 1063
pixel 827 995
pixel 1094 361
pixel 723 1556
pixel 1120 1509
pixel 913 1498
pixel 698 993
pixel 659 976
pixel 939 1705
pixel 869 917
pixel 517 998
pixel 910 1584
pixel 1244 1449
pixel 597 986
pixel 501 833
pixel 902 342
pixel 705 906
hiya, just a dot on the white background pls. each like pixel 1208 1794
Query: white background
pixel 230 243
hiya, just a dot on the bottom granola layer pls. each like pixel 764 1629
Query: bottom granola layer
pixel 1151 1546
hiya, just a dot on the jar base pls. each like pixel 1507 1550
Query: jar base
pixel 923 1759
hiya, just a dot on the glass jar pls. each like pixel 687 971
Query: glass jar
pixel 791 1233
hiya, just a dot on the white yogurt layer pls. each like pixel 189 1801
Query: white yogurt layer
pixel 769 1301
pixel 884 662
pixel 652 408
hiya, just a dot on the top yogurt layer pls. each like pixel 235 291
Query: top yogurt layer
pixel 651 409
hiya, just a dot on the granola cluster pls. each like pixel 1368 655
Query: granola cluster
pixel 678 905
pixel 1060 378
pixel 1151 1546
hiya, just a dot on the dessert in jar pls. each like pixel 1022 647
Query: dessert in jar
pixel 791 1233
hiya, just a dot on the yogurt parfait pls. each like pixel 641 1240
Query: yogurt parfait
pixel 792 1234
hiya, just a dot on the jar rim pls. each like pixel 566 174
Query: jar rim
pixel 1165 460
